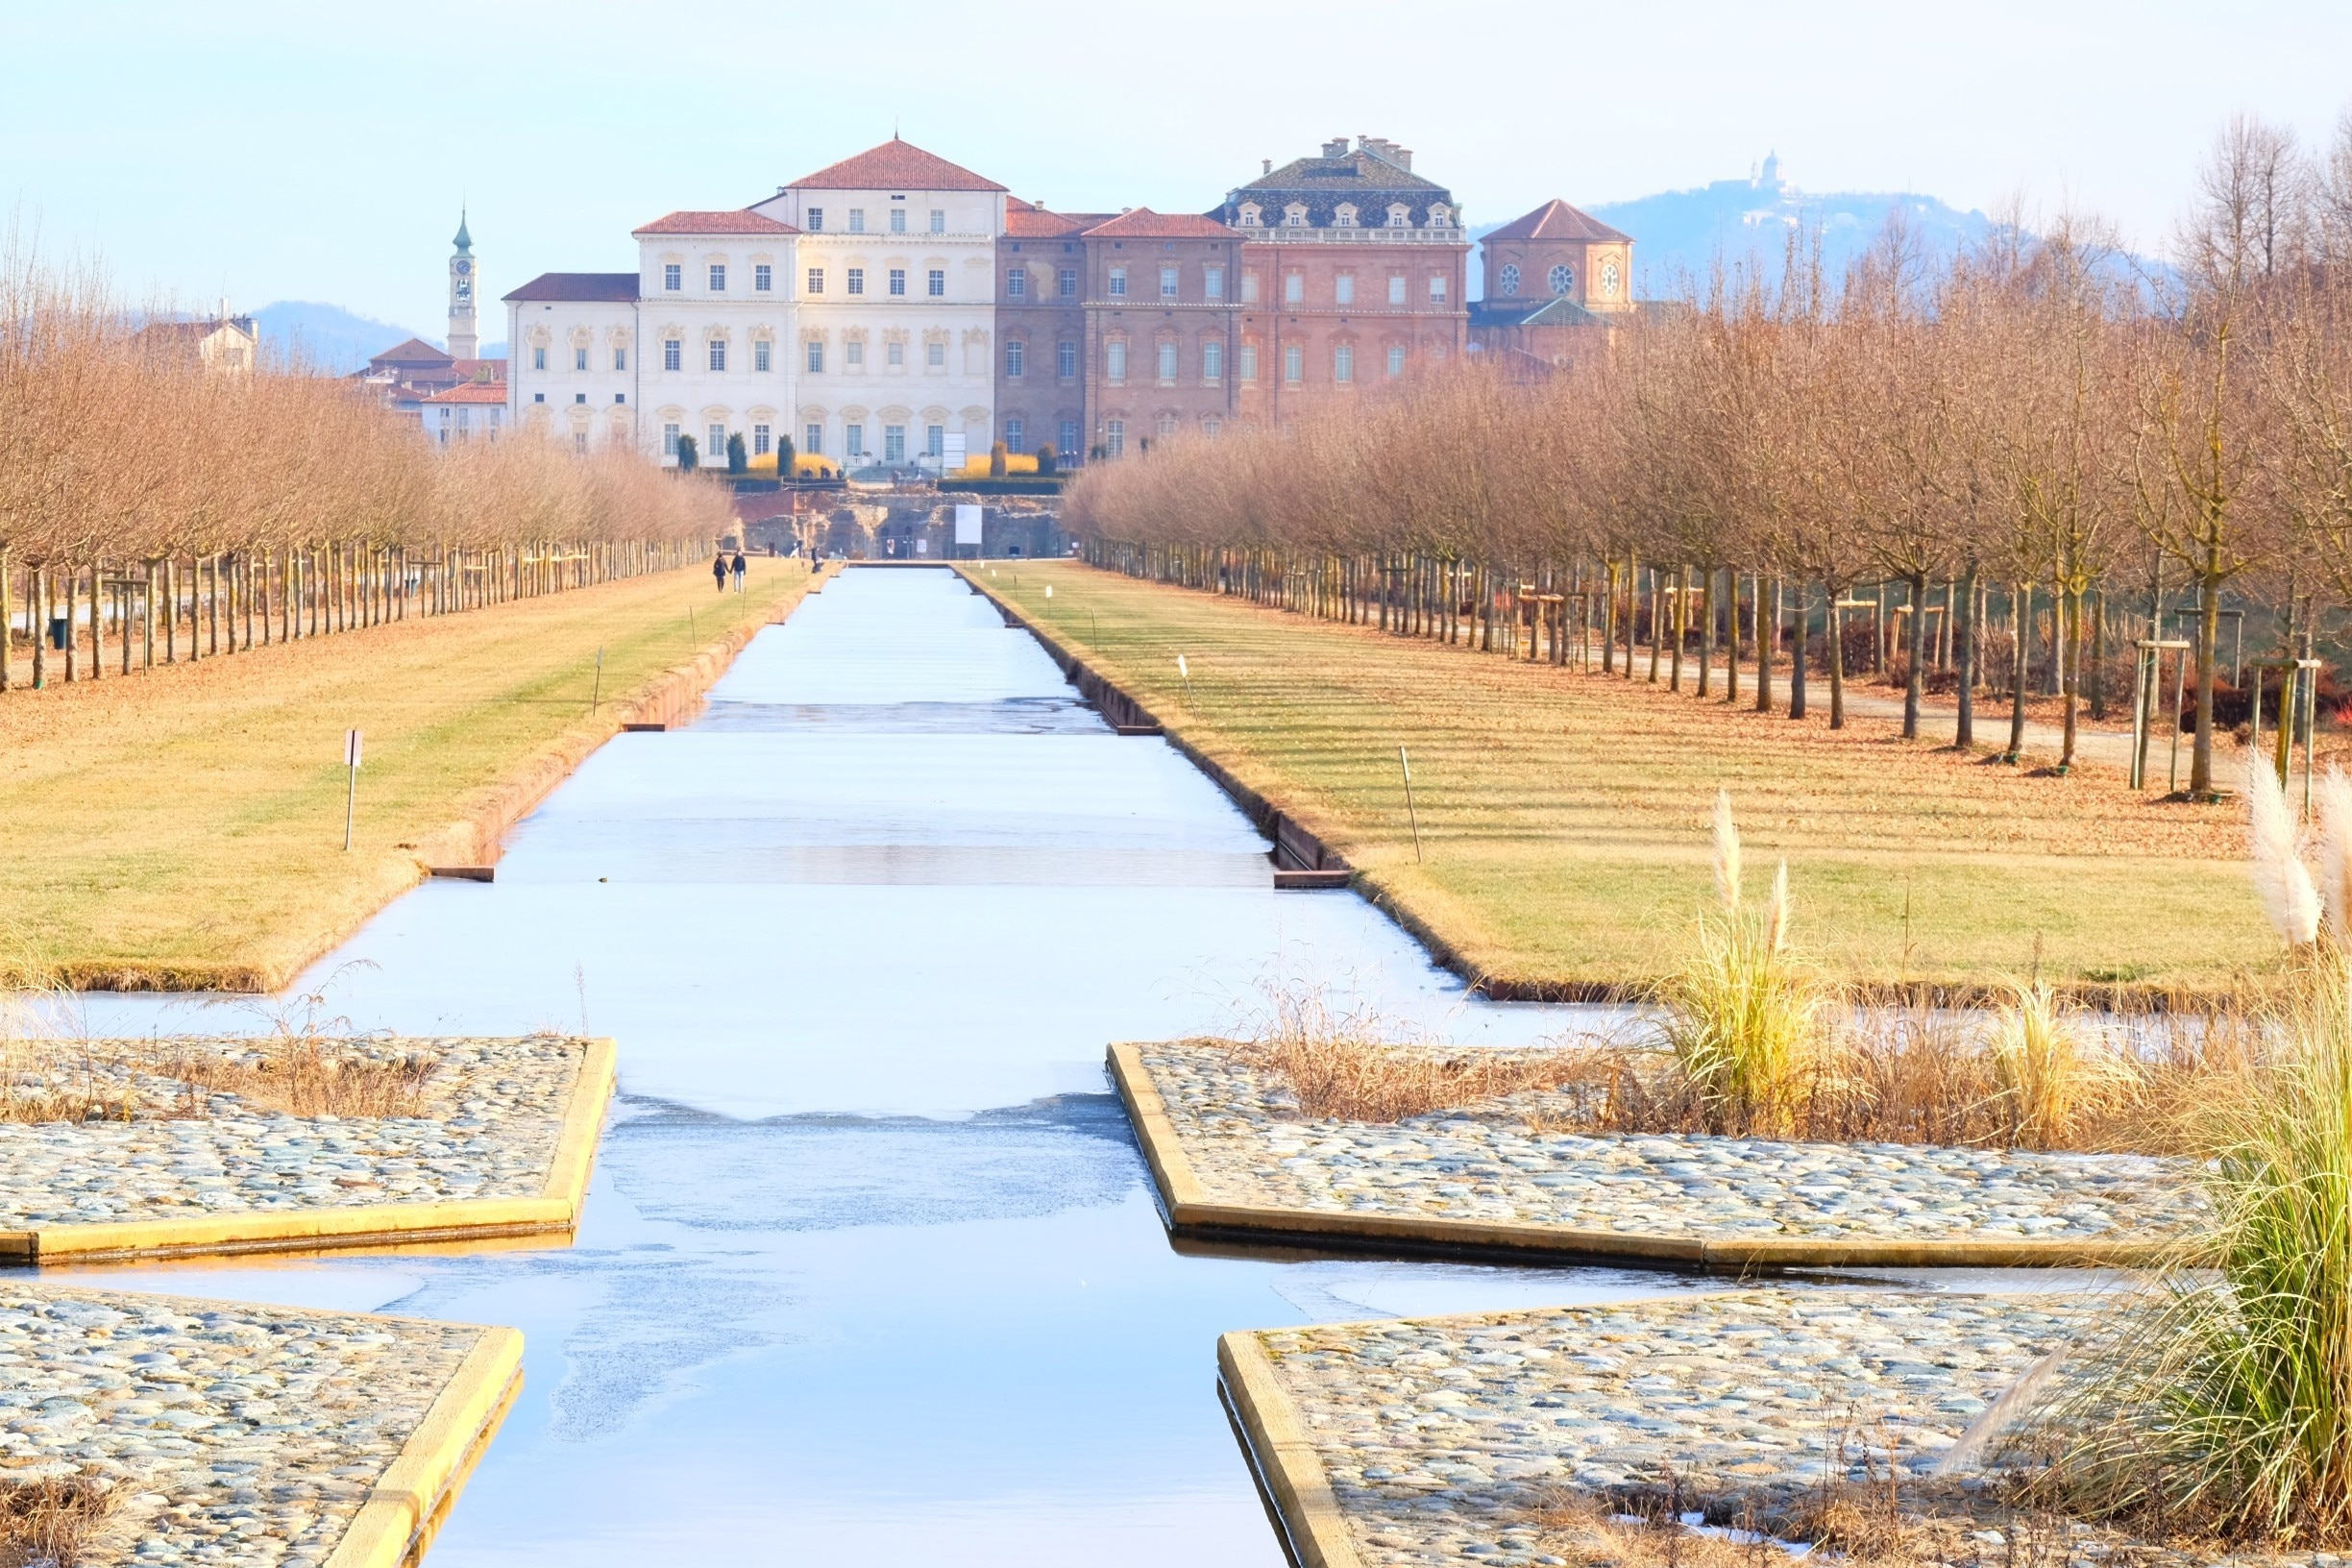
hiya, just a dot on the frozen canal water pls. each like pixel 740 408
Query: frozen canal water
pixel 870 1270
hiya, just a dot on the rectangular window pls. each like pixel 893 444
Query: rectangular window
pixel 893 436
pixel 1212 361
pixel 1438 288
pixel 935 355
pixel 1343 290
pixel 815 220
pixel 1016 435
pixel 1115 360
pixel 763 438
pixel 1016 356
pixel 812 440
pixel 1016 283
pixel 1212 283
pixel 857 220
pixel 939 221
pixel 1294 287
pixel 1294 363
pixel 894 353
pixel 1167 364
pixel 1343 363
pixel 763 279
pixel 1249 288
pixel 935 283
pixel 717 449
pixel 718 353
pixel 762 353
pixel 853 440
pixel 815 279
pixel 1396 288
pixel 1067 284
pixel 853 355
pixel 580 442
pixel 1118 283
pixel 1396 360
pixel 717 278
pixel 1249 361
pixel 538 358
pixel 1114 437
pixel 897 282
pixel 816 357
pixel 620 359
pixel 935 440
pixel 1069 437
pixel 670 440
pixel 580 358
pixel 1065 360
pixel 1167 283
pixel 897 220
pixel 857 280
pixel 674 354
pixel 673 277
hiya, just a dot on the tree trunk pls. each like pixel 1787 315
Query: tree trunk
pixel 1732 649
pixel 2207 645
pixel 2021 615
pixel 1767 644
pixel 1964 728
pixel 2072 621
pixel 1836 630
pixel 1915 635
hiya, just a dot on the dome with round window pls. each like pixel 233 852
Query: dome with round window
pixel 1510 280
pixel 1563 279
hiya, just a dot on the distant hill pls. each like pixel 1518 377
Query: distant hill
pixel 1678 234
pixel 327 337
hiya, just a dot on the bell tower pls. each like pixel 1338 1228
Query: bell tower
pixel 463 339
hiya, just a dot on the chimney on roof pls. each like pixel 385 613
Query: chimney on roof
pixel 1336 147
pixel 1387 151
pixel 779 190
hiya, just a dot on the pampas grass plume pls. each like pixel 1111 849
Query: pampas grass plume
pixel 1727 851
pixel 1776 914
pixel 2288 896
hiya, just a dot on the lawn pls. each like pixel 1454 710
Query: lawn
pixel 184 827
pixel 1563 816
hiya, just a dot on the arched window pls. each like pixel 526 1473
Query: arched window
pixel 1510 280
pixel 1563 279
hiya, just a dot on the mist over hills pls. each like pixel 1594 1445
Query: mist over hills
pixel 333 340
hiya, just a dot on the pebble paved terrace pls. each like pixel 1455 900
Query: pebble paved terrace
pixel 493 1113
pixel 1443 1439
pixel 235 1435
pixel 1247 1143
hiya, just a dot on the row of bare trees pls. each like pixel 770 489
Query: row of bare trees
pixel 155 508
pixel 2036 426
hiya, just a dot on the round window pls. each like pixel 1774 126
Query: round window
pixel 1510 280
pixel 1563 279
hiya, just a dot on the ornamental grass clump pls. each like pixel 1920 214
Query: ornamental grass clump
pixel 1743 1015
pixel 2221 1404
pixel 2051 1075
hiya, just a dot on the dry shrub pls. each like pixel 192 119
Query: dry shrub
pixel 308 1077
pixel 56 1521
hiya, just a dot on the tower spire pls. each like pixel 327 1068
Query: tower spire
pixel 463 339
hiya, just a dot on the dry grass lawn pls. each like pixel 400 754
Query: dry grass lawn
pixel 1564 816
pixel 182 828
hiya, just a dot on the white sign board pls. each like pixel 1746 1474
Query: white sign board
pixel 968 525
pixel 922 546
pixel 951 452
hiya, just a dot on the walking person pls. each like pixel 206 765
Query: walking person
pixel 718 570
pixel 740 569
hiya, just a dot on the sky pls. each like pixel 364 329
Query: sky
pixel 264 150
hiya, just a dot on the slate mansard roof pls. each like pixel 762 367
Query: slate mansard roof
pixel 1364 176
pixel 895 166
pixel 581 288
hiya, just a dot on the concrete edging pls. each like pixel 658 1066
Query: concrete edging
pixel 406 1506
pixel 359 1225
pixel 1294 1479
pixel 1190 1212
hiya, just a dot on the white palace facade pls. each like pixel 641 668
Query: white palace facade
pixel 852 313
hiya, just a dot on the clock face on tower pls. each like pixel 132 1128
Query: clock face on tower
pixel 464 266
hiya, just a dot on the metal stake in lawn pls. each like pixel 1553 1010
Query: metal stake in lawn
pixel 351 793
pixel 1406 763
pixel 596 693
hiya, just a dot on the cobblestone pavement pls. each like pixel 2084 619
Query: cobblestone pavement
pixel 1497 1161
pixel 492 1113
pixel 233 1433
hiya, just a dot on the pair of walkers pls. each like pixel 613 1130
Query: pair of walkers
pixel 720 566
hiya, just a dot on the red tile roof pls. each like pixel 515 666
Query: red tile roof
pixel 1142 223
pixel 1556 219
pixel 1027 220
pixel 472 392
pixel 580 287
pixel 414 351
pixel 895 166
pixel 742 221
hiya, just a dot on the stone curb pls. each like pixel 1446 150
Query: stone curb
pixel 405 1507
pixel 1293 1479
pixel 556 1209
pixel 1190 1212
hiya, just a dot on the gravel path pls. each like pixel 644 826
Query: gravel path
pixel 1442 1437
pixel 1248 1144
pixel 493 1111
pixel 236 1434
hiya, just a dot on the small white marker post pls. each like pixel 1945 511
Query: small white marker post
pixel 1185 670
pixel 1406 763
pixel 351 795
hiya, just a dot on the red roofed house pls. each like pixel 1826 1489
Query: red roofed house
pixel 1162 319
pixel 1042 330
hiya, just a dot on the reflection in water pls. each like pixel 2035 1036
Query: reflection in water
pixel 870 1271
